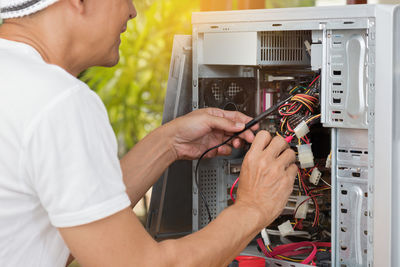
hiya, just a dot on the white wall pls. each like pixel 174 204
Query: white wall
pixel 330 2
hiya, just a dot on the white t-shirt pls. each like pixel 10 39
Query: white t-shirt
pixel 58 158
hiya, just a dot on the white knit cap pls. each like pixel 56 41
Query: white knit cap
pixel 19 8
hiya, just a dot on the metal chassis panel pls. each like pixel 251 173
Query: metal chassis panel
pixel 269 16
pixel 395 231
pixel 381 163
pixel 351 197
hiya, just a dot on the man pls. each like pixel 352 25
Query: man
pixel 62 188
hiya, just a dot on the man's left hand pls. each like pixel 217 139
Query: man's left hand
pixel 202 129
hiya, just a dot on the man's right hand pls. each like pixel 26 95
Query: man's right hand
pixel 267 176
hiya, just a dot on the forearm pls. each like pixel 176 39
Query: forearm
pixel 219 242
pixel 144 164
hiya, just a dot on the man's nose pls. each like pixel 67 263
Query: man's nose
pixel 132 10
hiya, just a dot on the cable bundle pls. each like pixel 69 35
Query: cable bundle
pixel 310 193
pixel 301 107
pixel 287 251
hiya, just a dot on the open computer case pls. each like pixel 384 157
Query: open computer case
pixel 348 56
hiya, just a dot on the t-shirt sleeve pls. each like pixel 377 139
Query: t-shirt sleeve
pixel 71 159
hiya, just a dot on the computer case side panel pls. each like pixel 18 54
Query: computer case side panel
pixel 395 231
pixel 170 212
pixel 381 141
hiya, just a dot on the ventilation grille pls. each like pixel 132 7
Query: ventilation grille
pixel 216 91
pixel 234 89
pixel 284 48
pixel 208 185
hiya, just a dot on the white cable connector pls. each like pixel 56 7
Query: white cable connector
pixel 285 228
pixel 265 237
pixel 305 155
pixel 328 163
pixel 301 130
pixel 302 207
pixel 315 176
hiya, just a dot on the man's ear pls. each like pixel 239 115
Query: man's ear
pixel 78 5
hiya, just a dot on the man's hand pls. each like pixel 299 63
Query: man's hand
pixel 186 137
pixel 267 176
pixel 202 129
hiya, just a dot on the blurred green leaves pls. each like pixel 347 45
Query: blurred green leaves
pixel 133 91
pixel 288 3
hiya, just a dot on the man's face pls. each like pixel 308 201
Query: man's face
pixel 107 20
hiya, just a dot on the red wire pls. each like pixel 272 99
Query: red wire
pixel 312 254
pixel 287 112
pixel 303 138
pixel 231 191
pixel 305 187
pixel 293 249
pixel 308 193
pixel 314 81
pixel 308 97
pixel 304 201
pixel 296 252
pixel 294 246
pixel 289 127
pixel 319 188
pixel 311 170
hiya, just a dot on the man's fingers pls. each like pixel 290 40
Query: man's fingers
pixel 287 157
pixel 211 153
pixel 224 150
pixel 248 136
pixel 262 139
pixel 277 146
pixel 292 170
pixel 238 116
pixel 224 124
pixel 230 126
pixel 237 142
pixel 233 115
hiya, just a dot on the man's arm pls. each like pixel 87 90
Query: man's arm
pixel 144 164
pixel 265 184
pixel 121 240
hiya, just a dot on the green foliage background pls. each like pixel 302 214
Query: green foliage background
pixel 133 91
pixel 288 3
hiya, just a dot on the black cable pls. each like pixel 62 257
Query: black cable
pixel 247 126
